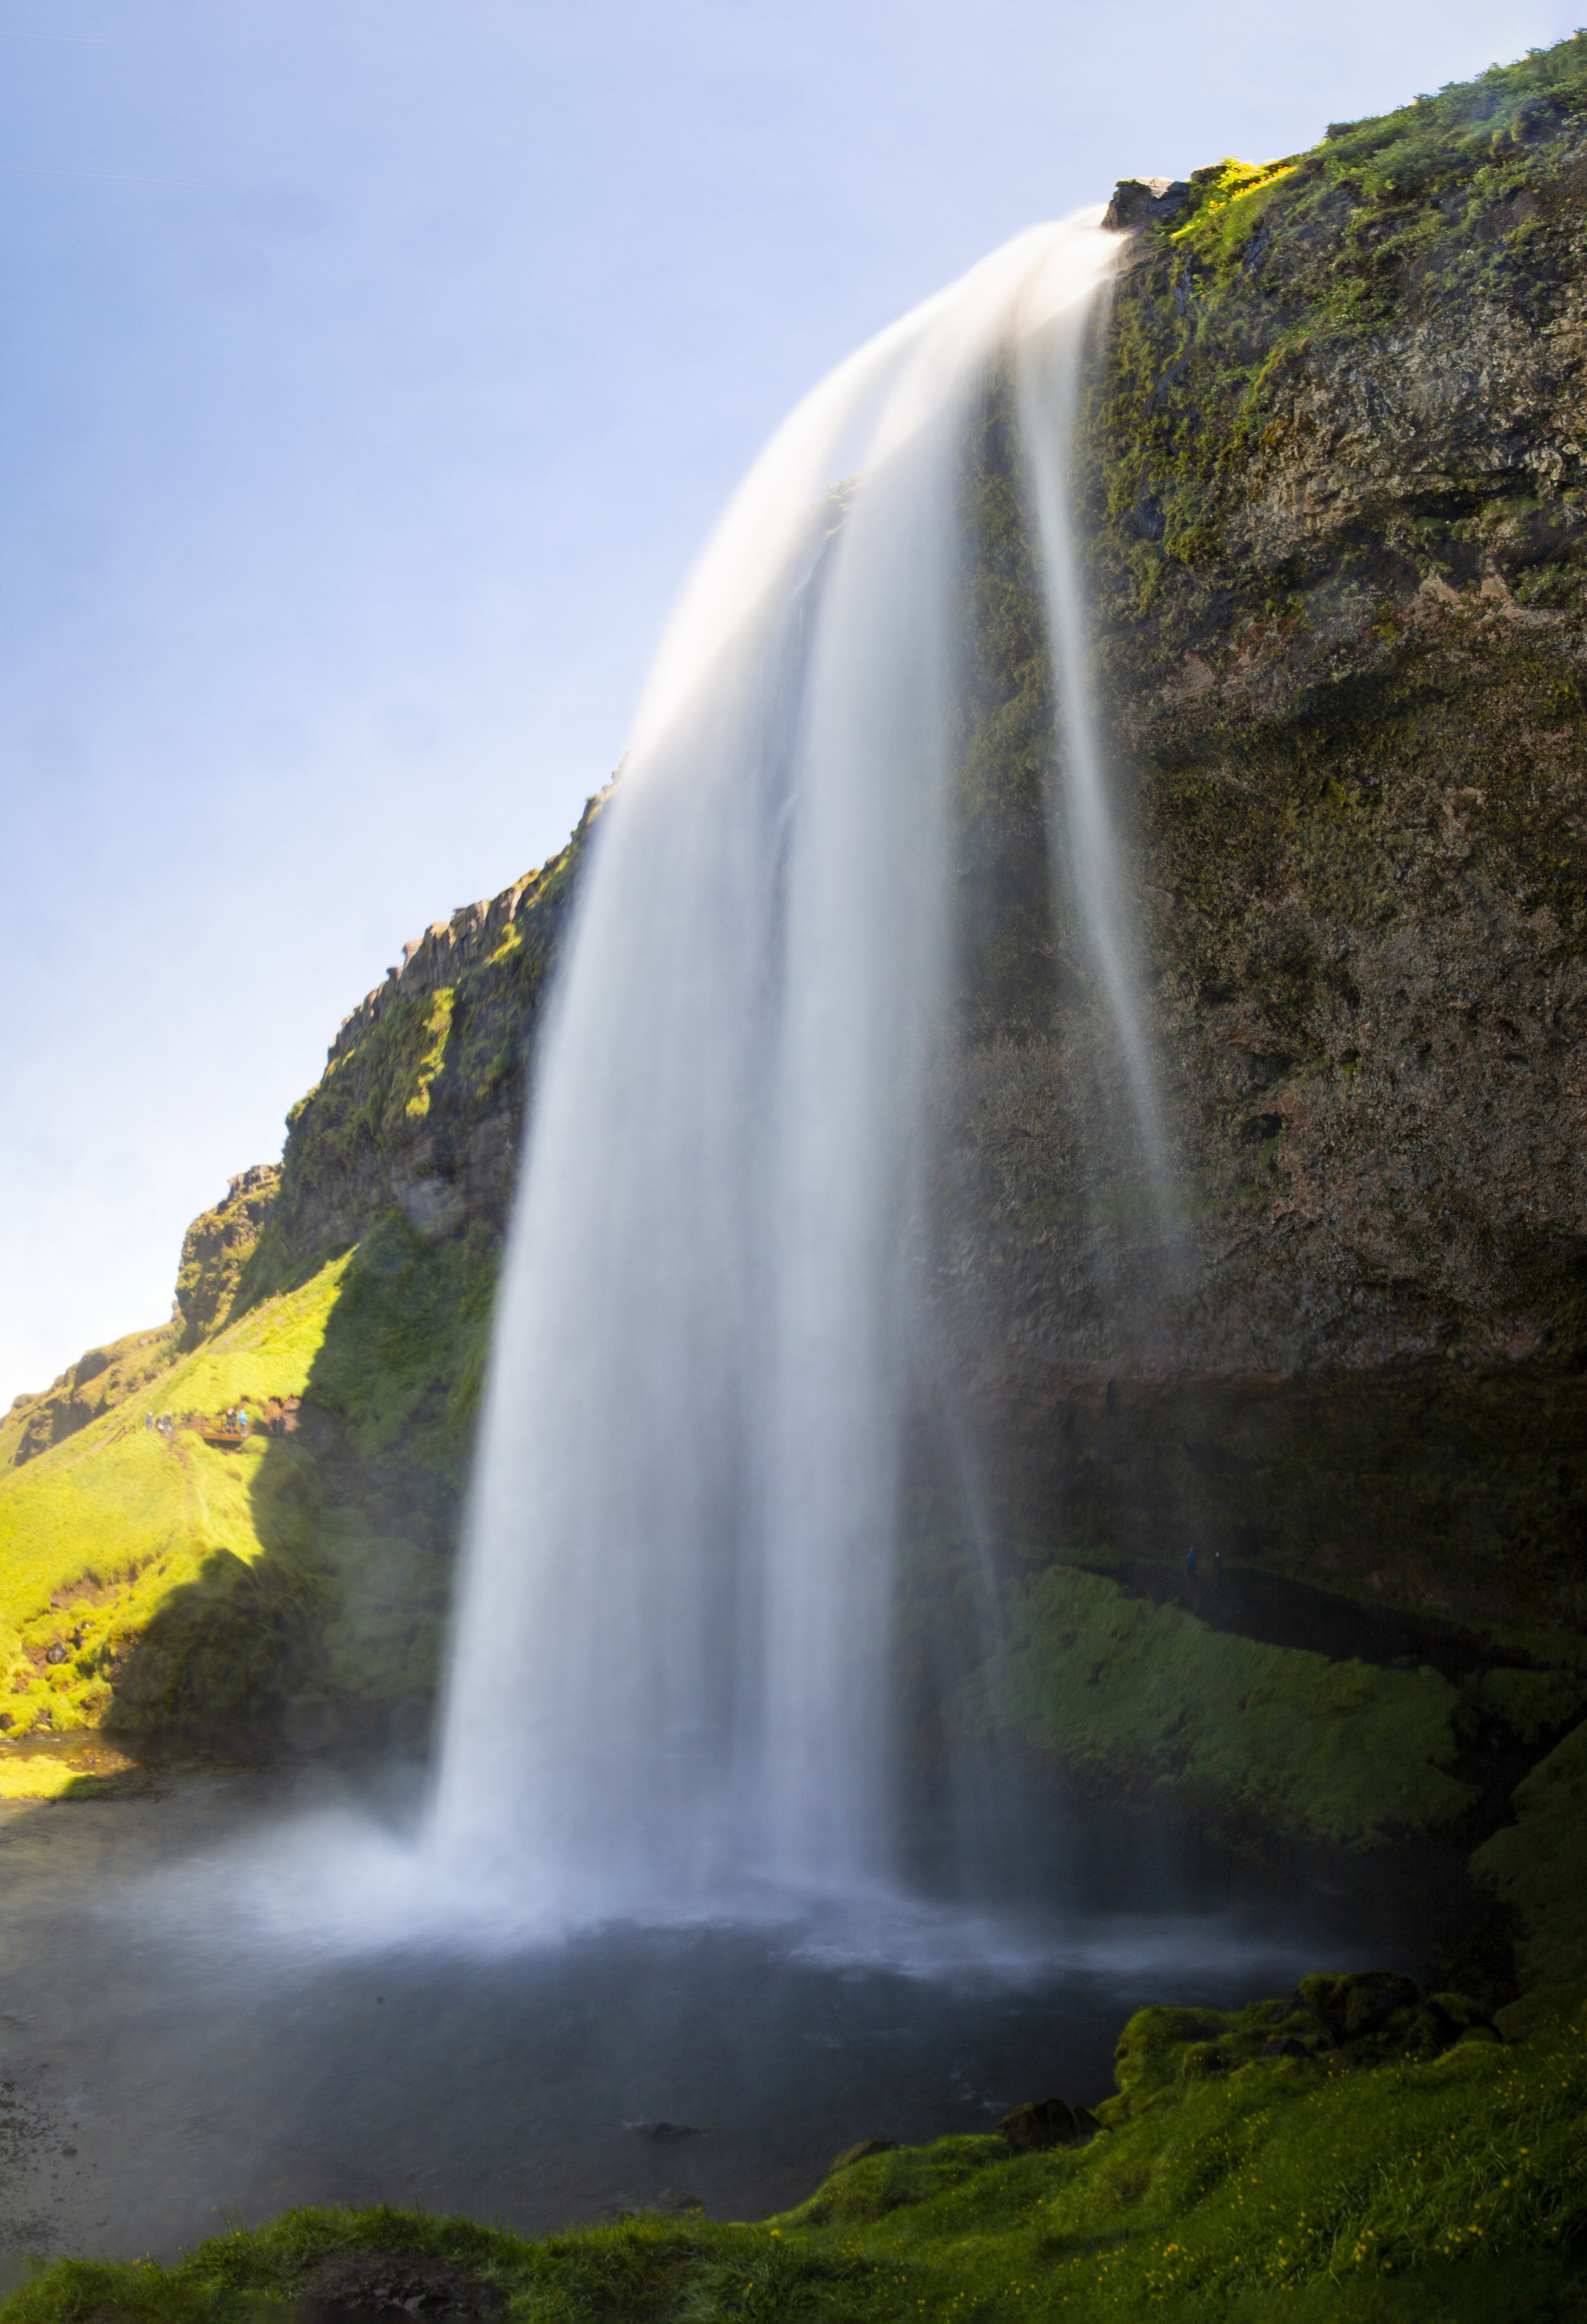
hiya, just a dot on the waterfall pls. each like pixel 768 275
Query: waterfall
pixel 670 1664
pixel 1046 368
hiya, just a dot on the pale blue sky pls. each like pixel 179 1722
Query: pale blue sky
pixel 369 371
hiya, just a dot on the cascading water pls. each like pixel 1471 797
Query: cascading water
pixel 671 1661
pixel 1046 368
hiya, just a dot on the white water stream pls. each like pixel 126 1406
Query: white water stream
pixel 670 1667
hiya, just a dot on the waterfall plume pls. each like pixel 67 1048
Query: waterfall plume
pixel 670 1661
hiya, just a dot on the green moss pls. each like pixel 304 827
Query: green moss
pixel 404 1349
pixel 1355 2019
pixel 1124 1693
pixel 1538 1865
pixel 1533 1705
pixel 418 1034
pixel 185 1587
pixel 100 1534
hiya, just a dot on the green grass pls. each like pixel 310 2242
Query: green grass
pixel 403 1353
pixel 1440 2187
pixel 124 1516
pixel 184 1580
pixel 1150 1700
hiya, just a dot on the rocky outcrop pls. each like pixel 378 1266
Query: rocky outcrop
pixel 99 1380
pixel 215 1251
pixel 212 1278
pixel 420 1108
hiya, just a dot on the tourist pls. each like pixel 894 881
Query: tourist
pixel 1190 1565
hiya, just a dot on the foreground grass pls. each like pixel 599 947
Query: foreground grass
pixel 1450 2187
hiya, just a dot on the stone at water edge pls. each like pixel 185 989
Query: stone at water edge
pixel 1048 2121
pixel 411 2284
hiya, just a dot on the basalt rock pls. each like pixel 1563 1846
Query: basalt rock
pixel 215 1251
pixel 366 2283
pixel 420 1108
pixel 1047 2122
pixel 1333 459
pixel 1145 201
pixel 1355 2019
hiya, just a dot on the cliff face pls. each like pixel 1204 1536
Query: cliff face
pixel 421 1105
pixel 1333 457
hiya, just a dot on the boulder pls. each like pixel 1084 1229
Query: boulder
pixel 1047 2122
pixel 1144 201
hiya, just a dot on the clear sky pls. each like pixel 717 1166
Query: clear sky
pixel 369 370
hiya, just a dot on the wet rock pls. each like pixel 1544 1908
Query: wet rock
pixel 1144 201
pixel 1360 2002
pixel 392 2283
pixel 1047 2122
pixel 860 2154
pixel 663 2133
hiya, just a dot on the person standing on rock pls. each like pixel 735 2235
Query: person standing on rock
pixel 1190 1566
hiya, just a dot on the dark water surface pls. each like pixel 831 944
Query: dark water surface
pixel 164 2069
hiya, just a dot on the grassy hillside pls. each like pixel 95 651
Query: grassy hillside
pixel 152 1581
pixel 98 1532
